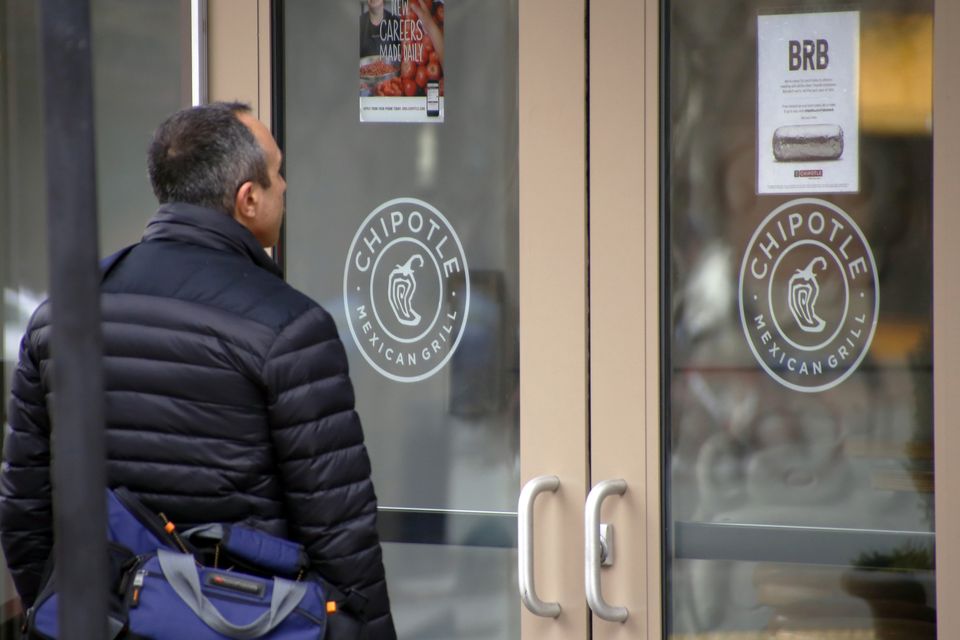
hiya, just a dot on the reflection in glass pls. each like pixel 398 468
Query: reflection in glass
pixel 449 440
pixel 443 441
pixel 440 592
pixel 137 82
pixel 803 515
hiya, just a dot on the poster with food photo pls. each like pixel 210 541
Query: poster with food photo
pixel 401 60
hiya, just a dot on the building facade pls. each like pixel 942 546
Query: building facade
pixel 680 267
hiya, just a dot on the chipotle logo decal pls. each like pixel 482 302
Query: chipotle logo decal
pixel 809 295
pixel 406 289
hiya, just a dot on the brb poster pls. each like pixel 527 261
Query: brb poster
pixel 401 60
pixel 808 128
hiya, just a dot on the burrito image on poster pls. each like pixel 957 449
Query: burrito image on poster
pixel 801 142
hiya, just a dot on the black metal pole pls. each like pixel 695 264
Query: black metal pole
pixel 79 473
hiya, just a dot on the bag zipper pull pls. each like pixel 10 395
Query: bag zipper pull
pixel 171 530
pixel 137 586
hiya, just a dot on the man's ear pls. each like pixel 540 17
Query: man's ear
pixel 245 204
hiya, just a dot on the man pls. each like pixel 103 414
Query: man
pixel 227 392
pixel 379 31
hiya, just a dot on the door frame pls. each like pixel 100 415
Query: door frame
pixel 239 53
pixel 625 390
pixel 553 302
pixel 946 309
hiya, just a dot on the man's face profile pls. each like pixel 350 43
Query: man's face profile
pixel 260 208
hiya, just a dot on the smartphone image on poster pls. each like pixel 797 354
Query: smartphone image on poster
pixel 433 99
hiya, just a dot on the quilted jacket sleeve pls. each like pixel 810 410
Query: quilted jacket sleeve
pixel 330 500
pixel 26 525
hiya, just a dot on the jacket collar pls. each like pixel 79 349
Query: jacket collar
pixel 197 225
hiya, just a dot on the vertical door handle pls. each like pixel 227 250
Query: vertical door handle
pixel 528 594
pixel 593 547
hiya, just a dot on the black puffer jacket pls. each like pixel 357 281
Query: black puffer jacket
pixel 227 399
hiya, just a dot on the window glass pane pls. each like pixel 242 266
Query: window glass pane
pixel 439 592
pixel 375 212
pixel 799 429
pixel 138 72
pixel 137 56
pixel 448 440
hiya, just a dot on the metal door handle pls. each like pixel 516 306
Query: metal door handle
pixel 593 547
pixel 528 594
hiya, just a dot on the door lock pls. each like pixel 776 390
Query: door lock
pixel 606 545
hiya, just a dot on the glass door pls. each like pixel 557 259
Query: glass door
pixel 798 371
pixel 436 207
pixel 401 144
pixel 768 300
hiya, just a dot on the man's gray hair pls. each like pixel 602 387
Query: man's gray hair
pixel 202 155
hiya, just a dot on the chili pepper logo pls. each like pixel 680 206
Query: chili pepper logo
pixel 406 289
pixel 802 294
pixel 402 283
pixel 809 295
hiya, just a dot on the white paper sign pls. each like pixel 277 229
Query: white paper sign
pixel 808 129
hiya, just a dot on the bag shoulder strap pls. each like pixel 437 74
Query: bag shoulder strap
pixel 135 526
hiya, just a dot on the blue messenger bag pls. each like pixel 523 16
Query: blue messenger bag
pixel 214 582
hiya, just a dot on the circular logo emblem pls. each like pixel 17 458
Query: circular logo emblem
pixel 406 289
pixel 809 295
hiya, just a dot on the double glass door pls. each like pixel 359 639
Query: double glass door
pixel 798 478
pixel 762 270
pixel 683 251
